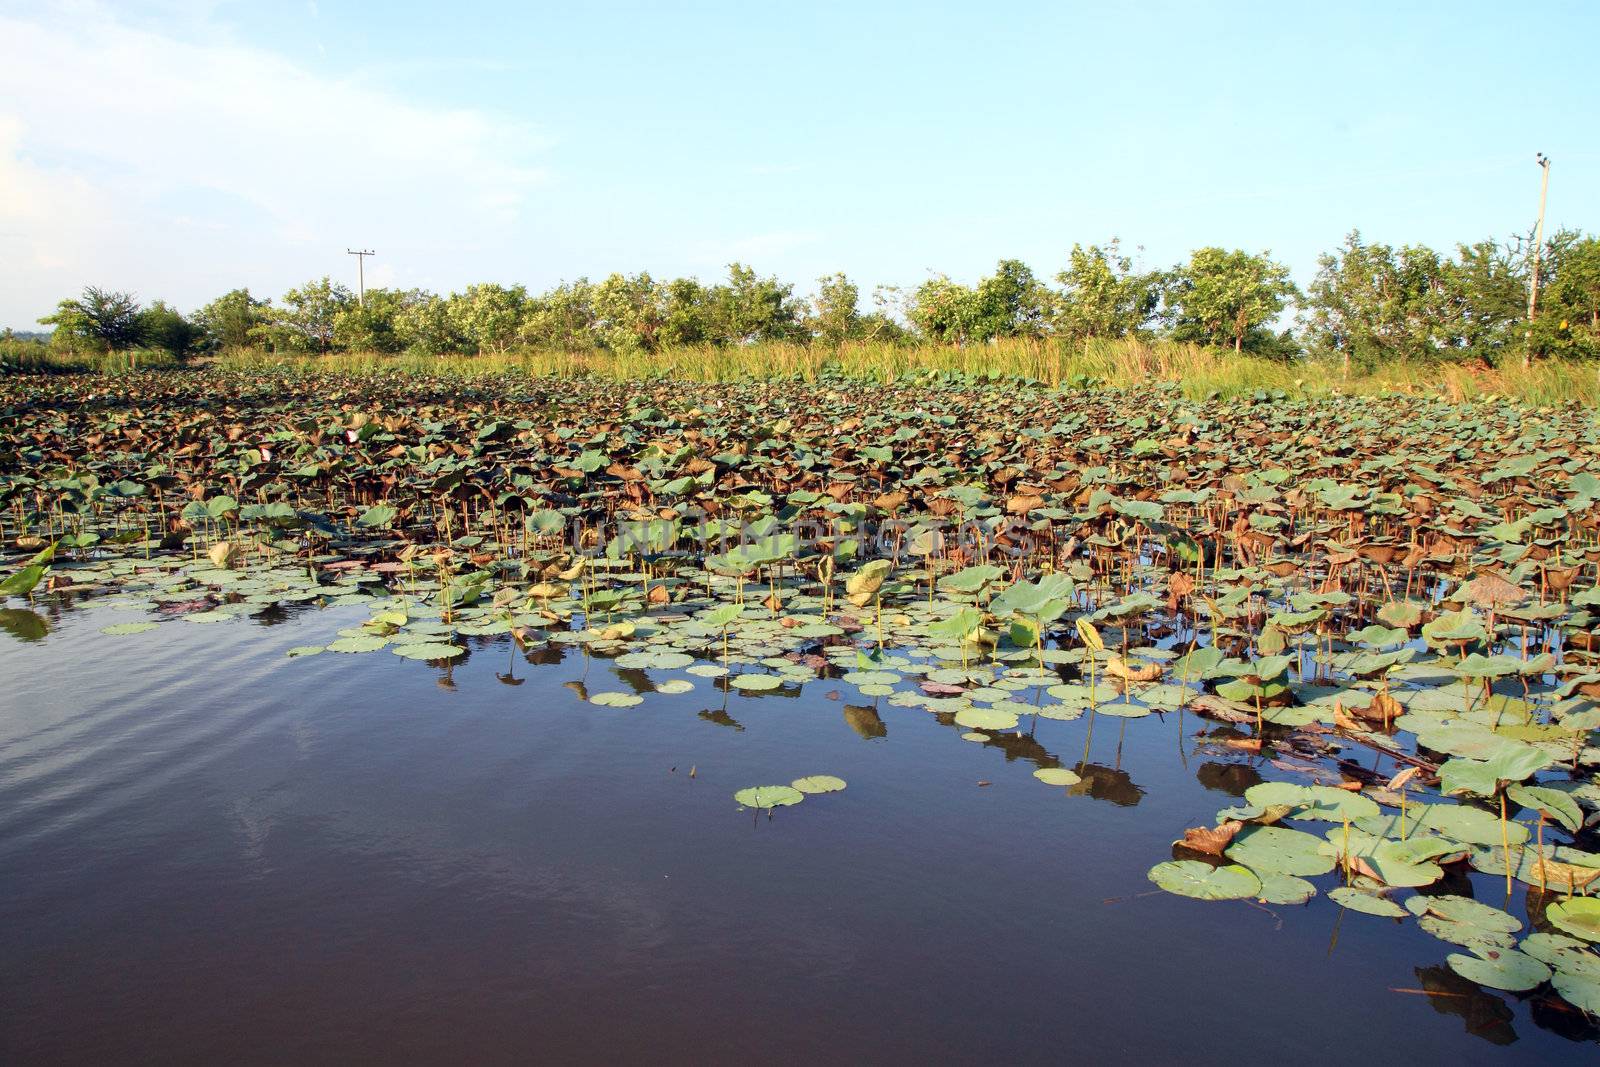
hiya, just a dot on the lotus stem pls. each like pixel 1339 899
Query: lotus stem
pixel 1505 841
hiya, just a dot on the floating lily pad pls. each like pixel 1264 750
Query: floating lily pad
pixel 767 797
pixel 1579 917
pixel 1056 776
pixel 1499 968
pixel 1280 850
pixel 1366 903
pixel 1191 878
pixel 616 700
pixel 819 783
pixel 428 650
pixel 124 629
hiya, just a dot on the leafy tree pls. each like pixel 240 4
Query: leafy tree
pixel 1369 304
pixel 751 308
pixel 305 321
pixel 835 311
pixel 629 313
pixel 1102 296
pixel 1008 303
pixel 163 327
pixel 690 317
pixel 1222 297
pixel 562 319
pixel 99 319
pixel 232 320
pixel 422 325
pixel 944 311
pixel 489 316
pixel 1568 319
pixel 376 326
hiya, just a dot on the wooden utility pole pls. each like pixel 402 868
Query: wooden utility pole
pixel 361 263
pixel 1538 249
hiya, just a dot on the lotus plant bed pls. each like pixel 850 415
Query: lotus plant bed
pixel 1388 604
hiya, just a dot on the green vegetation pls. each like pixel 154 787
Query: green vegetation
pixel 1373 311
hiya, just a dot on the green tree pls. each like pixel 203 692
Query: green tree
pixel 835 312
pixel 163 327
pixel 751 308
pixel 376 325
pixel 1222 297
pixel 422 326
pixel 305 321
pixel 1483 301
pixel 232 320
pixel 562 319
pixel 1102 296
pixel 690 314
pixel 489 316
pixel 1010 303
pixel 630 313
pixel 943 310
pixel 1568 319
pixel 99 319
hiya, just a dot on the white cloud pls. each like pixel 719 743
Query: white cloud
pixel 180 167
pixel 755 249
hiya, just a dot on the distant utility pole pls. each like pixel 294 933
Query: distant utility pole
pixel 1538 249
pixel 361 263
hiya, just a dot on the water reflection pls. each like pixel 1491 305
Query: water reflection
pixel 1230 778
pixel 1483 1014
pixel 865 721
pixel 1106 783
pixel 24 625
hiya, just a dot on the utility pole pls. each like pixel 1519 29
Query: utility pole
pixel 361 264
pixel 1538 249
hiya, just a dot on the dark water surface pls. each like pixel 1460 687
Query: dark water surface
pixel 212 853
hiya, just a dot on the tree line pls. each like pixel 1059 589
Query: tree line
pixel 1367 305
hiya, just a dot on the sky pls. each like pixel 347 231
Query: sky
pixel 182 148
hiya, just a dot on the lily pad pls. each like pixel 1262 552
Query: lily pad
pixel 1191 878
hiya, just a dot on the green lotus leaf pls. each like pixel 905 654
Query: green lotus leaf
pixel 123 629
pixel 1056 776
pixel 1366 903
pixel 767 797
pixel 1280 850
pixel 1499 968
pixel 428 650
pixel 1579 917
pixel 986 719
pixel 1191 878
pixel 616 699
pixel 819 783
pixel 756 683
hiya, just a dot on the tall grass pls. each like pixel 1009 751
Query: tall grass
pixel 1198 372
pixel 34 357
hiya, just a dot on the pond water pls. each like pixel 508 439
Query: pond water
pixel 211 852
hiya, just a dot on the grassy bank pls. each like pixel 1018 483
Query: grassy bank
pixel 1198 372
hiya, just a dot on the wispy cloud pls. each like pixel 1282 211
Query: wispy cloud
pixel 754 249
pixel 127 153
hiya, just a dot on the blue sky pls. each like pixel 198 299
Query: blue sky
pixel 181 148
